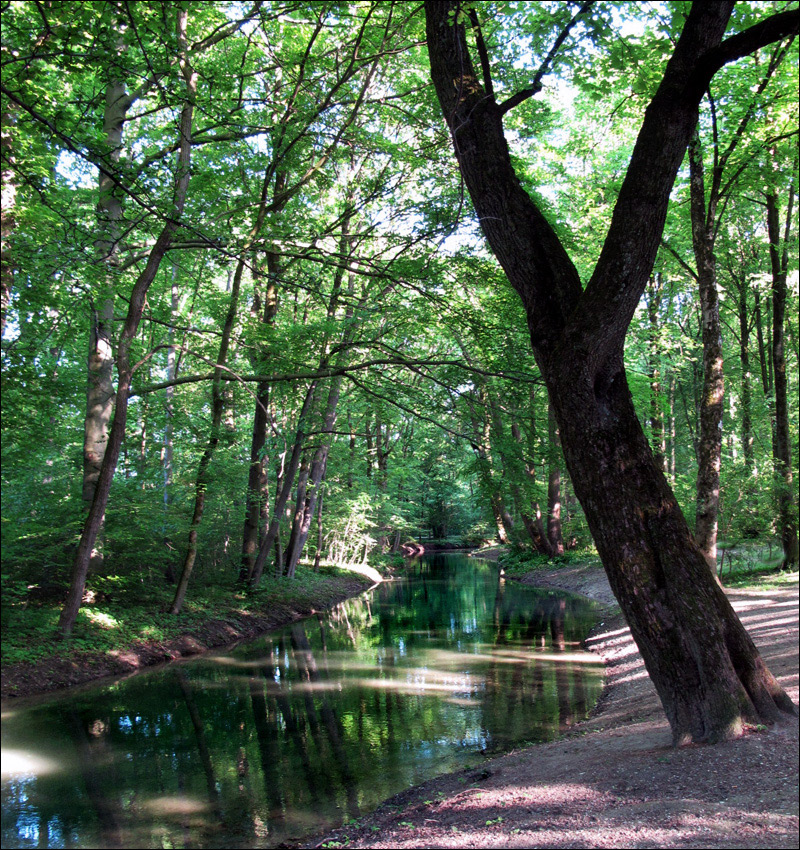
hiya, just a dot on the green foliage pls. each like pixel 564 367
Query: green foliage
pixel 379 272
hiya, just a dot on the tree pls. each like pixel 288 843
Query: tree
pixel 779 263
pixel 705 667
pixel 94 520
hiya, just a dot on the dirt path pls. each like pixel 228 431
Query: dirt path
pixel 615 781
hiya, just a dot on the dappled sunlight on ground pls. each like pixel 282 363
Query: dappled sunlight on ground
pixel 615 781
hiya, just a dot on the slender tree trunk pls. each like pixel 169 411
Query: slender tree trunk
pixel 217 412
pixel 8 187
pixel 532 521
pixel 100 394
pixel 318 555
pixel 316 473
pixel 169 412
pixel 97 510
pixel 779 261
pixel 764 352
pixel 256 504
pixel 657 437
pixel 744 356
pixel 554 535
pixel 709 460
pixel 282 497
pixel 673 468
pixel 702 661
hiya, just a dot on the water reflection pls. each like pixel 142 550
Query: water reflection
pixel 310 726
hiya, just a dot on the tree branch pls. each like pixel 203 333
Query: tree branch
pixel 743 44
pixel 536 86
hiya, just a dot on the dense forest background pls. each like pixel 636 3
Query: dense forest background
pixel 238 232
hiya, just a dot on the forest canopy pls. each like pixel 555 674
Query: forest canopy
pixel 249 317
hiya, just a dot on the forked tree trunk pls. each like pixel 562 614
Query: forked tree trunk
pixel 704 665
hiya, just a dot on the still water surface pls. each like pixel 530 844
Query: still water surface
pixel 309 726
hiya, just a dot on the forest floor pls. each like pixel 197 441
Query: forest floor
pixel 614 780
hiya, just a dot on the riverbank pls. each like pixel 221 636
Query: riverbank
pixel 70 666
pixel 614 780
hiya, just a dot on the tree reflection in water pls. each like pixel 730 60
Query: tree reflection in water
pixel 309 726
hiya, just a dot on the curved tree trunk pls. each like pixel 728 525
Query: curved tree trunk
pixel 705 667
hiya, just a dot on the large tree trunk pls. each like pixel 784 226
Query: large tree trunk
pixel 704 665
pixel 779 261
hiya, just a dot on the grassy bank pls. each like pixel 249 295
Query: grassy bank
pixel 124 626
pixel 740 563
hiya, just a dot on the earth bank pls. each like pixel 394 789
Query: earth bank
pixel 614 780
pixel 32 679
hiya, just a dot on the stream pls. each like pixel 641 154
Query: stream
pixel 309 726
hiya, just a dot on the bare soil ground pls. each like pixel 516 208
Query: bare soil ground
pixel 615 780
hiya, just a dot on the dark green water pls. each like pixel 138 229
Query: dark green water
pixel 312 725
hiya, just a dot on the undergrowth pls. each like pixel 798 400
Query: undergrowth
pixel 519 561
pixel 114 616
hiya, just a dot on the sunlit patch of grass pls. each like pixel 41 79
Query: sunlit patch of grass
pixel 771 581
pixel 118 619
pixel 100 618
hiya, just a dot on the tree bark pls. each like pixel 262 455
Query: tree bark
pixel 8 187
pixel 217 412
pixel 532 521
pixel 282 497
pixel 657 437
pixel 256 507
pixel 316 473
pixel 704 665
pixel 744 356
pixel 554 536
